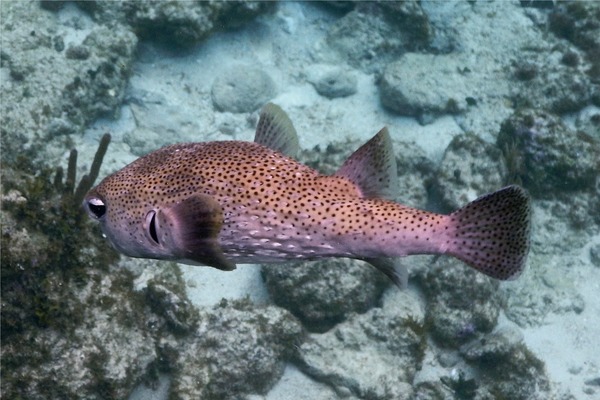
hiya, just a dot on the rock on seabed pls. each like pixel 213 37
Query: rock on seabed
pixel 242 89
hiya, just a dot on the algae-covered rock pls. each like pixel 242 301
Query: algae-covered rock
pixel 378 32
pixel 51 92
pixel 99 88
pixel 470 168
pixel 183 23
pixel 508 369
pixel 325 292
pixel 88 338
pixel 548 157
pixel 427 85
pixel 461 302
pixel 577 22
pixel 166 297
pixel 19 243
pixel 373 355
pixel 73 326
pixel 237 349
pixel 91 334
pixel 563 79
pixel 556 84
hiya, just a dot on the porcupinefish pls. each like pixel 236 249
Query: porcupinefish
pixel 228 202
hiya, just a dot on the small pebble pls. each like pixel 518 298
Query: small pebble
pixel 78 53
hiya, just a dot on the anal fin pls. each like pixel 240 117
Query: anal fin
pixel 392 268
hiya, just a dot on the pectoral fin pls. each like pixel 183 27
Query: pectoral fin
pixel 190 230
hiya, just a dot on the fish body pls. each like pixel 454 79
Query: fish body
pixel 229 202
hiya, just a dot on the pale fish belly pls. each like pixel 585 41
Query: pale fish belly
pixel 358 229
pixel 268 239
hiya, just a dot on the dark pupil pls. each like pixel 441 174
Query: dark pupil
pixel 97 209
pixel 153 228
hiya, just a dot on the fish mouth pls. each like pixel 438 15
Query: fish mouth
pixel 95 207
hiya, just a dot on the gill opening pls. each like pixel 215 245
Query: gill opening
pixel 151 227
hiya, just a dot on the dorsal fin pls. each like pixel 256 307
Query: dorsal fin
pixel 276 131
pixel 373 167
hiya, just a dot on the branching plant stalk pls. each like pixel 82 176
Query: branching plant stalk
pixel 74 196
pixel 88 180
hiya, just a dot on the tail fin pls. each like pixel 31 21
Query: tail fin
pixel 491 233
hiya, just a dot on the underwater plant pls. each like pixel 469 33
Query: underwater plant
pixel 70 314
pixel 73 195
pixel 46 241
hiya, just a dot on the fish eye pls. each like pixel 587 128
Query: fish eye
pixel 96 207
pixel 150 226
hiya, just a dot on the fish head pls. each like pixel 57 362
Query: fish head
pixel 134 227
pixel 156 207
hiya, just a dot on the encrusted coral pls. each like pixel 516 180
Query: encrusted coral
pixel 53 281
pixel 49 207
pixel 546 155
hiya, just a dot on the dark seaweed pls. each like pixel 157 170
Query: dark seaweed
pixel 47 241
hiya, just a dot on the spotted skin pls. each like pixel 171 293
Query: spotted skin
pixel 276 209
pixel 224 203
pixel 492 233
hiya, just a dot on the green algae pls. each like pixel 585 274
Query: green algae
pixel 59 241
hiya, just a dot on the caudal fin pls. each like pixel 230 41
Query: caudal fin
pixel 491 233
